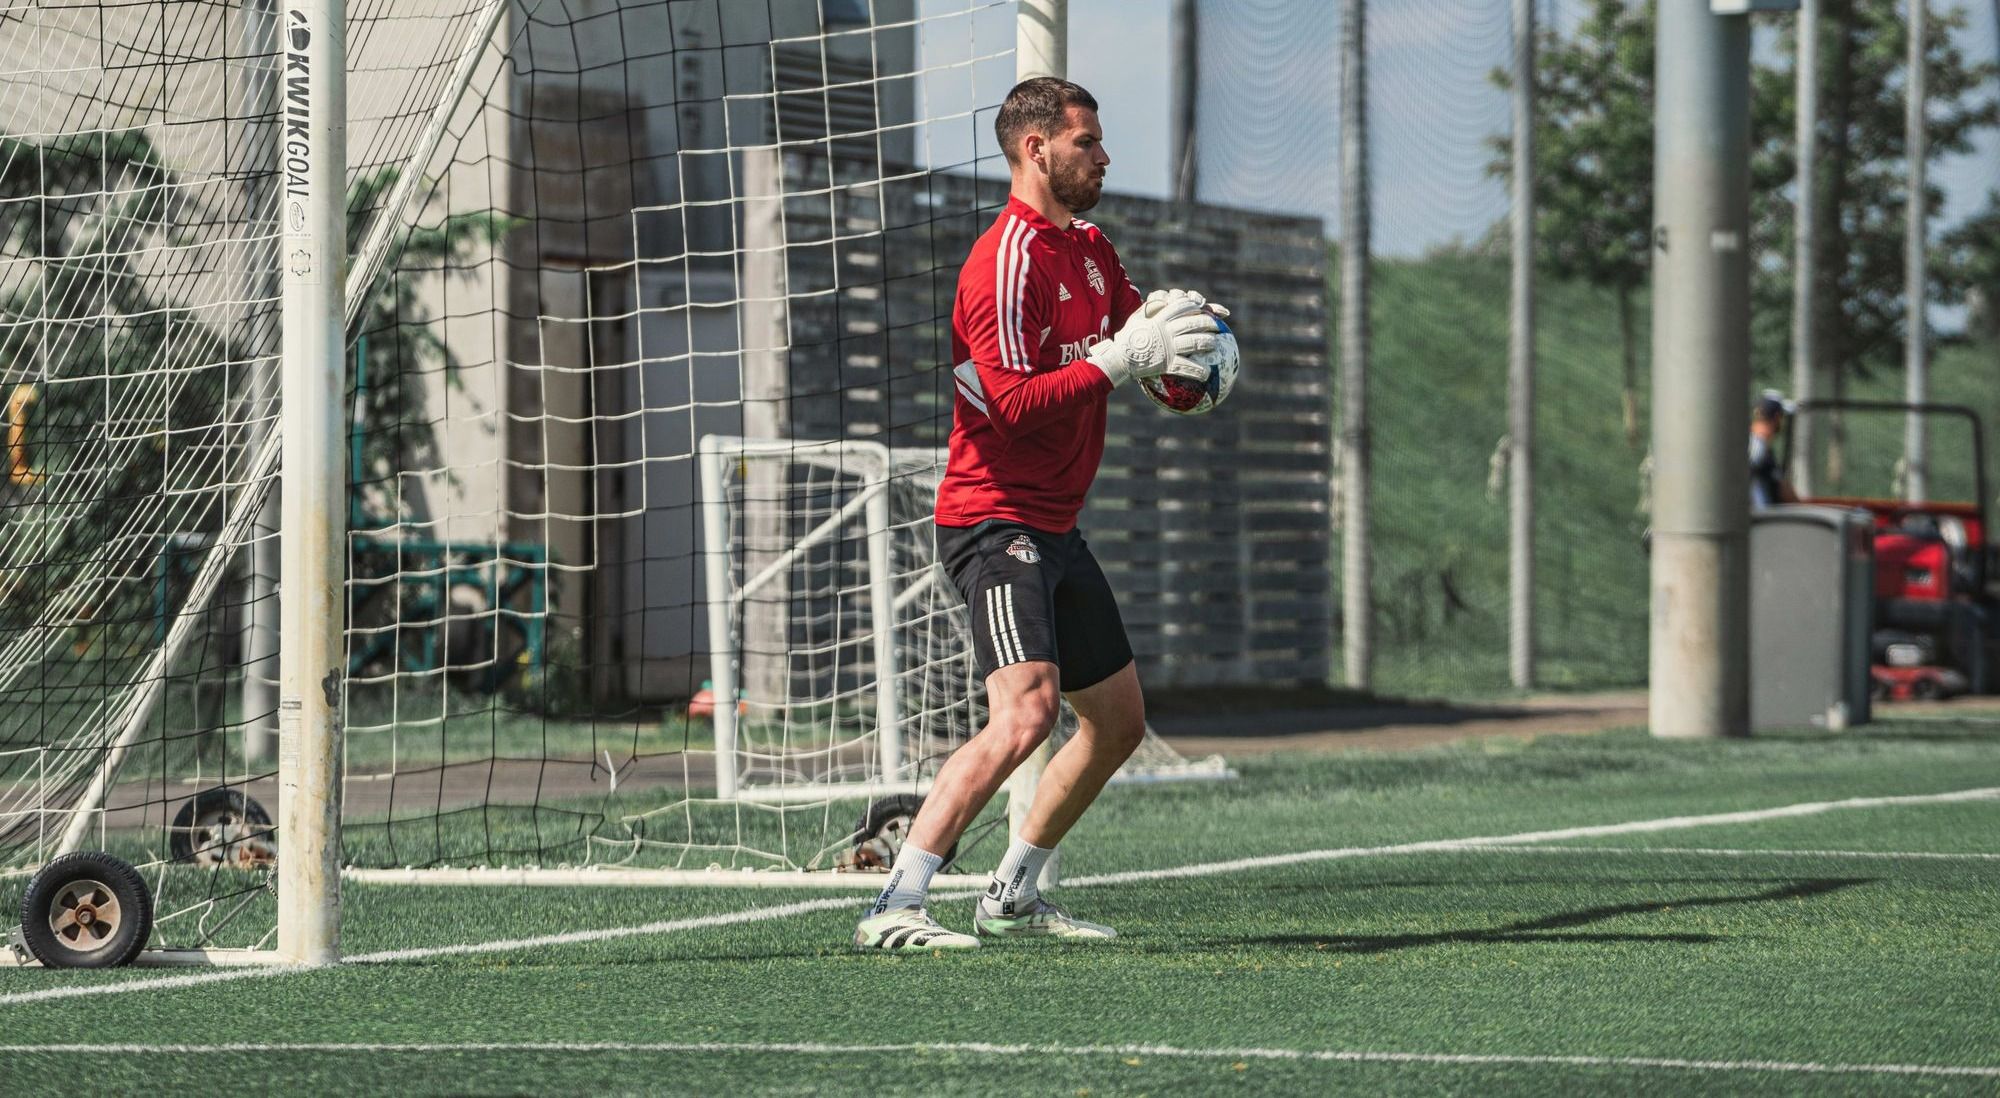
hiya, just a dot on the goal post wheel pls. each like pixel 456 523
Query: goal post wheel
pixel 222 826
pixel 86 910
pixel 878 838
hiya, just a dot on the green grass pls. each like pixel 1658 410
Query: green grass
pixel 1776 956
pixel 1438 401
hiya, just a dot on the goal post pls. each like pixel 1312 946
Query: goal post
pixel 868 467
pixel 312 654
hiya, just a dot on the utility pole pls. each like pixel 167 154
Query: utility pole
pixel 1805 254
pixel 1187 59
pixel 1700 640
pixel 1521 364
pixel 1041 48
pixel 1357 604
pixel 1916 360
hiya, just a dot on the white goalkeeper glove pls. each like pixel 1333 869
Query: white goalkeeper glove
pixel 1162 337
pixel 1213 308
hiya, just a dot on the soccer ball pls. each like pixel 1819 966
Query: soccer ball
pixel 1190 398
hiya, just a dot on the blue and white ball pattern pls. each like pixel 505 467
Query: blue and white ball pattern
pixel 1189 398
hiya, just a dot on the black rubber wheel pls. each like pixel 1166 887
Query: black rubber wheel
pixel 887 821
pixel 87 910
pixel 221 826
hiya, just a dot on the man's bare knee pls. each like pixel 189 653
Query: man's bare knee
pixel 1123 735
pixel 1025 725
pixel 1025 705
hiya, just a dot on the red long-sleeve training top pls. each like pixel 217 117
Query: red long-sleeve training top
pixel 1028 425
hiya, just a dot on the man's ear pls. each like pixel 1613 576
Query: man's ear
pixel 1035 152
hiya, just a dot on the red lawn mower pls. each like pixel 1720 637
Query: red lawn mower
pixel 1936 621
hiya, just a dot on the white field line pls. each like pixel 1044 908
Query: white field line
pixel 1633 827
pixel 1721 852
pixel 391 956
pixel 1204 869
pixel 980 1048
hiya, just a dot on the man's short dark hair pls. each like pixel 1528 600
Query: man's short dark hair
pixel 1037 105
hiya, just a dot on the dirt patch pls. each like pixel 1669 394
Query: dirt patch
pixel 1392 726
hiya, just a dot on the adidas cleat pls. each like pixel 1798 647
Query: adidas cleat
pixel 908 930
pixel 1043 920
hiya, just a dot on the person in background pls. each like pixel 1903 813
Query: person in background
pixel 1767 478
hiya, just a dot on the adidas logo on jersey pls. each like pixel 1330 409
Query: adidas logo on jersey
pixel 1062 292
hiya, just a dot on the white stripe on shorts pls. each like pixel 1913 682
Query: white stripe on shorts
pixel 1001 654
pixel 1013 626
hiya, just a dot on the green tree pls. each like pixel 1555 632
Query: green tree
pixel 1972 251
pixel 401 340
pixel 1594 163
pixel 117 387
pixel 1863 184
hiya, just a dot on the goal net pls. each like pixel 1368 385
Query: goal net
pixel 590 243
pixel 642 572
pixel 142 155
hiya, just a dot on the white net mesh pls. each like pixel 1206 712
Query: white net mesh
pixel 584 235
pixel 709 221
pixel 140 166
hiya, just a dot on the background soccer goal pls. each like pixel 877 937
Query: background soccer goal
pixel 629 408
pixel 834 625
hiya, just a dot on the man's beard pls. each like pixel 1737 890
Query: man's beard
pixel 1074 187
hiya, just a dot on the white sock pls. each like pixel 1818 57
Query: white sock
pixel 909 879
pixel 1017 882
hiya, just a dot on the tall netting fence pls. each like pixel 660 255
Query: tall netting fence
pixel 141 168
pixel 1438 127
pixel 1439 130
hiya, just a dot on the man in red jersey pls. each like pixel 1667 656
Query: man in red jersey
pixel 1045 325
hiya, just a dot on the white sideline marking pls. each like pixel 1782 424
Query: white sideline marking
pixel 1634 827
pixel 1206 869
pixel 390 956
pixel 981 1048
pixel 1895 855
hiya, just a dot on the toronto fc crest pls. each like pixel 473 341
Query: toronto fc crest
pixel 1023 549
pixel 1096 277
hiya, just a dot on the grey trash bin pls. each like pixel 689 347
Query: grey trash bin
pixel 1812 596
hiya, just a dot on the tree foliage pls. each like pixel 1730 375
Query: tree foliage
pixel 1594 172
pixel 1863 180
pixel 128 384
pixel 1593 139
pixel 403 343
pixel 126 381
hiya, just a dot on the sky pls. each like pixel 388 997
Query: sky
pixel 1269 83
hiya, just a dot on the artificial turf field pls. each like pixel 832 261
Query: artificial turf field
pixel 1279 935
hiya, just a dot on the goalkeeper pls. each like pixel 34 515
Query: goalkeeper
pixel 1046 324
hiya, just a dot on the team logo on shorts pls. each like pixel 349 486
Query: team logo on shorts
pixel 1023 549
pixel 1096 277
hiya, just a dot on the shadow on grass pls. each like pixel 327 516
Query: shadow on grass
pixel 1334 891
pixel 1905 733
pixel 1538 930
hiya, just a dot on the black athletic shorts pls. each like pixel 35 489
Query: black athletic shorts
pixel 1035 596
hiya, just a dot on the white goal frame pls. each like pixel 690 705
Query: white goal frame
pixel 874 466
